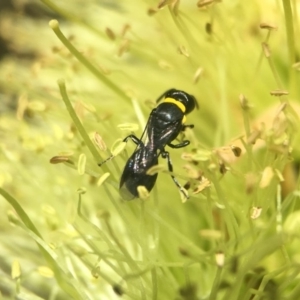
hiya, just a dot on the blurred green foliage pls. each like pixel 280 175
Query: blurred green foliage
pixel 65 232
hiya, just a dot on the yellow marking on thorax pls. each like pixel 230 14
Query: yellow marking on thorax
pixel 179 105
pixel 176 102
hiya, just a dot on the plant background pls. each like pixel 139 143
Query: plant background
pixel 160 248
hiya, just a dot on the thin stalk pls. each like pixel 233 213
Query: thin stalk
pixel 216 284
pixel 55 27
pixel 289 30
pixel 76 121
pixel 70 16
pixel 290 33
pixel 154 283
pixel 65 281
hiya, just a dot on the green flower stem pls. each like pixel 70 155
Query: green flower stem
pixel 20 211
pixel 69 16
pixel 129 260
pixel 261 56
pixel 124 251
pixel 63 280
pixel 216 284
pixel 77 123
pixel 274 72
pixel 224 112
pixel 183 28
pixel 184 240
pixel 289 30
pixel 231 222
pixel 264 247
pixel 103 237
pixel 154 283
pixel 247 146
pixel 55 27
pixel 290 41
pixel 266 280
pixel 267 54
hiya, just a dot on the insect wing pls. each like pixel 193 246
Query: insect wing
pixel 144 139
pixel 135 175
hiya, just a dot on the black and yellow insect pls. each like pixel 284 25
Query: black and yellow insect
pixel 165 123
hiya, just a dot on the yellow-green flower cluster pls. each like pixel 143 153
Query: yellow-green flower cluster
pixel 76 77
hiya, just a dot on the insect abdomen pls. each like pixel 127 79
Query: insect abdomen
pixel 135 175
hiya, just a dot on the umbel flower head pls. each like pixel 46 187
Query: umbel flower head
pixel 70 94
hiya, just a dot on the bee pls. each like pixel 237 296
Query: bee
pixel 165 123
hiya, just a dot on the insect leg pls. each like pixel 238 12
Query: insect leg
pixel 183 143
pixel 187 126
pixel 180 145
pixel 165 154
pixel 133 138
pixel 136 140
